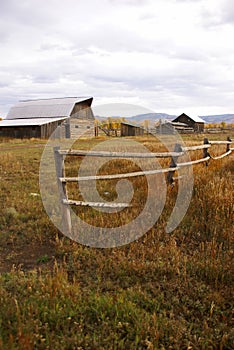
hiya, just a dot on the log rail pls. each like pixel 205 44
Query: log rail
pixel 175 165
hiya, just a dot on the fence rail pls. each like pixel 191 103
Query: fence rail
pixel 175 165
pixel 106 154
pixel 95 204
pixel 195 148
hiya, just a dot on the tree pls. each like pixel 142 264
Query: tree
pixel 223 125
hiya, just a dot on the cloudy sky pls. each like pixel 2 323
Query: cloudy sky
pixel 166 55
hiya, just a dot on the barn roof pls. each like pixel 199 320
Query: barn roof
pixel 197 119
pixel 194 118
pixel 28 122
pixel 45 108
pixel 132 124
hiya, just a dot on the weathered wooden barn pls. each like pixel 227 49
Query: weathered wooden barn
pixel 69 116
pixel 129 129
pixel 196 123
pixel 168 127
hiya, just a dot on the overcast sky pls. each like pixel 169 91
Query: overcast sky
pixel 169 56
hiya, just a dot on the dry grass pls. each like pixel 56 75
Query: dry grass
pixel 164 291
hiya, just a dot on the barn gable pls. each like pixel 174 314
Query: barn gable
pixel 194 122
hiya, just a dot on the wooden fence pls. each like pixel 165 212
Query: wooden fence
pixel 174 166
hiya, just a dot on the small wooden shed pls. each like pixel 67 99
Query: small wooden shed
pixel 129 129
pixel 196 123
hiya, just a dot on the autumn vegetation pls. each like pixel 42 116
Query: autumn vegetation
pixel 163 291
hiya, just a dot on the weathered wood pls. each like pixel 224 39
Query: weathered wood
pixel 60 172
pixel 173 164
pixel 197 161
pixel 195 148
pixel 205 151
pixel 95 204
pixel 117 176
pixel 228 144
pixel 119 154
pixel 206 154
pixel 221 155
pixel 134 174
pixel 220 142
pixel 178 177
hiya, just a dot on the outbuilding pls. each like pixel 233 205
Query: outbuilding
pixel 129 129
pixel 196 123
pixel 65 117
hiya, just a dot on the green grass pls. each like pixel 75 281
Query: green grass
pixel 164 291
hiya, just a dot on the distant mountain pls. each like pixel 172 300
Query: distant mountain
pixel 227 118
pixel 152 117
pixel 139 118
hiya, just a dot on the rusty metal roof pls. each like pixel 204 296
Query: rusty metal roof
pixel 45 108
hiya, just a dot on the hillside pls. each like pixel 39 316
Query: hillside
pixel 152 117
pixel 227 118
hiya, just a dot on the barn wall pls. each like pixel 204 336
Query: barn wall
pixel 80 127
pixel 21 132
pixel 131 130
pixel 185 119
pixel 37 131
pixel 82 110
pixel 198 127
pixel 126 130
pixel 49 128
pixel 81 121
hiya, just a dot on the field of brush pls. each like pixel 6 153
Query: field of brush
pixel 163 291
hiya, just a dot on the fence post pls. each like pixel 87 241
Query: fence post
pixel 96 128
pixel 173 164
pixel 228 144
pixel 205 150
pixel 60 172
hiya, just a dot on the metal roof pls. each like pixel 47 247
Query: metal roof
pixel 197 119
pixel 194 118
pixel 28 122
pixel 45 108
pixel 132 124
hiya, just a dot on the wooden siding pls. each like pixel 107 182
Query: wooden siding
pixel 131 130
pixel 38 131
pixel 81 121
pixel 21 132
pixel 184 118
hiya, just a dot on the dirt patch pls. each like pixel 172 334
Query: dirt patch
pixel 27 257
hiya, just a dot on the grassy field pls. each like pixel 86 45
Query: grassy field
pixel 163 291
